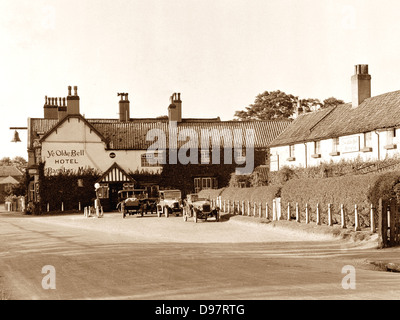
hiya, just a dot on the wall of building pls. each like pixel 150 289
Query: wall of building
pixel 382 144
pixel 74 146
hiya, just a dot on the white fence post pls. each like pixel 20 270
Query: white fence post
pixel 356 219
pixel 288 211
pixel 297 212
pixel 248 207
pixel 342 216
pixel 254 209
pixel 318 222
pixel 266 211
pixel 329 215
pixel 260 209
pixel 372 217
pixel 242 207
pixel 274 210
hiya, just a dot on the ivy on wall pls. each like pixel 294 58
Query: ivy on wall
pixel 66 189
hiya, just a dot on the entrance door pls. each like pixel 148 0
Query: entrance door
pixel 114 188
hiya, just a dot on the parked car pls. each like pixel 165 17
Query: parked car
pixel 170 202
pixel 132 201
pixel 199 208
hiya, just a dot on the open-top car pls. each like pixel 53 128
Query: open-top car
pixel 132 201
pixel 199 208
pixel 170 202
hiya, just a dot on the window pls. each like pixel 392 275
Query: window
pixel 152 159
pixel 317 150
pixel 291 153
pixel 390 135
pixel 335 147
pixel 205 183
pixel 367 142
pixel 204 156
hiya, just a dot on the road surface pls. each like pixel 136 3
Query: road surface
pixel 167 258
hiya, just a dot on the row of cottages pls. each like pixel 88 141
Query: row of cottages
pixel 367 128
pixel 65 140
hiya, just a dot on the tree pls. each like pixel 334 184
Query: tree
pixel 269 106
pixel 277 105
pixel 332 101
pixel 17 161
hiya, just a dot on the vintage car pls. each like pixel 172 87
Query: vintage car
pixel 199 208
pixel 170 202
pixel 132 201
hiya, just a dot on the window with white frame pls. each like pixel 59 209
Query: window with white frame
pixel 291 153
pixel 317 147
pixel 367 139
pixel 152 159
pixel 390 137
pixel 335 147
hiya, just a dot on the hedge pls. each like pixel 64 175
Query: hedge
pixel 361 190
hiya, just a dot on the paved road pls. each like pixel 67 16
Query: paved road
pixel 160 258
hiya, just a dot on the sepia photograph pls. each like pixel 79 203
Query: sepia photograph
pixel 200 158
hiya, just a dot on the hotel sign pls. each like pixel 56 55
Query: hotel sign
pixel 349 144
pixel 62 156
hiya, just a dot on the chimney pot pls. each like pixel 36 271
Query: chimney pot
pixel 69 90
pixel 75 90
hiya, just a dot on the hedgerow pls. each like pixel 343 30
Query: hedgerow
pixel 360 190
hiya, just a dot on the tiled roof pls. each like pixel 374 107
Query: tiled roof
pixel 8 180
pixel 379 112
pixel 12 171
pixel 131 135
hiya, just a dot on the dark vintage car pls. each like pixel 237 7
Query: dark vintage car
pixel 170 202
pixel 132 201
pixel 199 208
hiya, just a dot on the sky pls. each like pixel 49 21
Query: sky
pixel 219 54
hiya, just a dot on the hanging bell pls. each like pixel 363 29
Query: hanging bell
pixel 16 137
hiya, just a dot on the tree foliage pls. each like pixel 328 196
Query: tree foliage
pixel 275 105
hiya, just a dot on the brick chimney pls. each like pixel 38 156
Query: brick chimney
pixel 123 107
pixel 175 108
pixel 61 108
pixel 360 85
pixel 73 101
pixel 50 110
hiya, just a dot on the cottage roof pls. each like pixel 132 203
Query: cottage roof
pixel 379 112
pixel 8 180
pixel 131 135
pixel 12 171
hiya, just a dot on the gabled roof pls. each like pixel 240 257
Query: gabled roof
pixel 66 118
pixel 115 174
pixel 8 180
pixel 12 171
pixel 379 112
